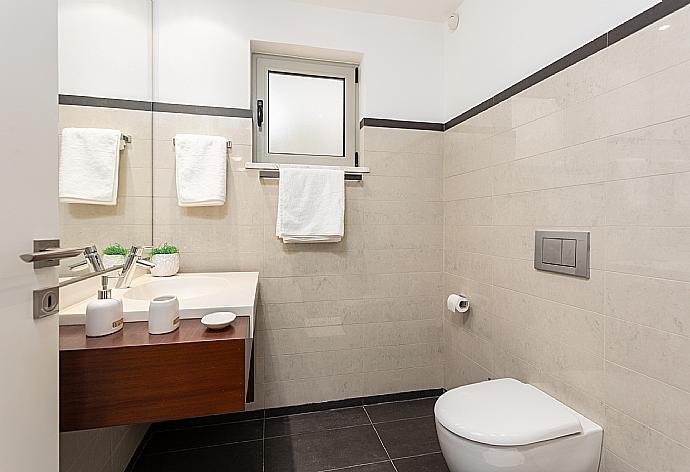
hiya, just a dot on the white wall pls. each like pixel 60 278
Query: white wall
pixel 500 42
pixel 203 52
pixel 105 48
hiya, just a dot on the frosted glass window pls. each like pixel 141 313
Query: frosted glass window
pixel 306 115
pixel 305 111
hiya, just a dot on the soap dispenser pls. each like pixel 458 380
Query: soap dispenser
pixel 104 316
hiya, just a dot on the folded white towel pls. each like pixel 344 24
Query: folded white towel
pixel 311 205
pixel 201 168
pixel 89 165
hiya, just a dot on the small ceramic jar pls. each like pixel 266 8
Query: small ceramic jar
pixel 164 314
pixel 166 265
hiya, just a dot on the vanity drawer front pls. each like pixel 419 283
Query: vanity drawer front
pixel 150 383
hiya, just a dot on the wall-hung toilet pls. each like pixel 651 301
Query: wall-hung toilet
pixel 509 426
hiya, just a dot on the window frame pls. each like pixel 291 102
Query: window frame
pixel 262 64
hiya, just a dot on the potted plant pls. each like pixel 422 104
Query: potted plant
pixel 167 260
pixel 114 255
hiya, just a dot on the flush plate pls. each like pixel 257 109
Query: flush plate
pixel 563 252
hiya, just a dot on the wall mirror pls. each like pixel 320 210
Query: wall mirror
pixel 105 83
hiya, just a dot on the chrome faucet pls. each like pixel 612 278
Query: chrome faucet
pixel 134 259
pixel 91 258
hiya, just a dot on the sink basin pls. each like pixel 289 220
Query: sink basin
pixel 199 295
pixel 182 288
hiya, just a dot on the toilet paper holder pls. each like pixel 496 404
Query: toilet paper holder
pixel 458 303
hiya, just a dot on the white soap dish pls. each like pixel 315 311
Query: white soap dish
pixel 218 320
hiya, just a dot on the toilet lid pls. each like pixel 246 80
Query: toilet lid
pixel 505 412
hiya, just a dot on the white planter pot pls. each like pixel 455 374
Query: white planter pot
pixel 110 260
pixel 166 265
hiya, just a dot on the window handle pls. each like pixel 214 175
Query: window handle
pixel 260 112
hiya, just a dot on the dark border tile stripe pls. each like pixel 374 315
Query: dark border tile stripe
pixel 401 124
pixel 361 401
pixel 82 100
pixel 202 110
pixel 644 19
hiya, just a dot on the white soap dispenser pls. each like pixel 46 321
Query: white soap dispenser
pixel 104 316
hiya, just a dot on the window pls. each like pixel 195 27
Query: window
pixel 305 111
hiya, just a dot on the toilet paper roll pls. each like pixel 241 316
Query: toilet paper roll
pixel 458 303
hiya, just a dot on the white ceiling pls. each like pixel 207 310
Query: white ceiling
pixel 429 10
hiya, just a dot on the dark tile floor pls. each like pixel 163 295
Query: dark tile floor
pixel 385 437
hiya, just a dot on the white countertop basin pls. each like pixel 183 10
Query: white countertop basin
pixel 199 295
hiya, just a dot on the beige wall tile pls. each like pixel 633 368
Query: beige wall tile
pixel 654 252
pixel 401 140
pixel 167 125
pixel 402 164
pixel 656 303
pixel 642 447
pixel 657 354
pixel 651 402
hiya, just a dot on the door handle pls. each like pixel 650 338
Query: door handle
pixel 259 113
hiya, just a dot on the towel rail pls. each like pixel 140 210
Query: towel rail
pixel 228 143
pixel 126 138
pixel 269 170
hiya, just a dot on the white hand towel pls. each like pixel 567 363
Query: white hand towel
pixel 201 168
pixel 311 205
pixel 89 165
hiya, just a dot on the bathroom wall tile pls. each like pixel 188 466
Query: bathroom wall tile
pixel 401 333
pixel 476 267
pixel 220 262
pixel 417 189
pixel 167 125
pixel 575 366
pixel 657 354
pixel 657 149
pixel 561 323
pixel 135 123
pixel 470 152
pixel 293 263
pixel 388 261
pixel 461 370
pixel 476 239
pixel 653 403
pixel 651 201
pixel 401 140
pixel 402 380
pixel 401 285
pixel 570 206
pixel 654 252
pixel 462 341
pixel 575 165
pixel 311 289
pixel 298 392
pixel 613 463
pixel 540 136
pixel 655 303
pixel 642 447
pixel 473 184
pixel 309 340
pixel 311 365
pixel 476 211
pixel 128 211
pixel 403 237
pixel 521 276
pixel 211 238
pixel 386 358
pixel 337 312
pixel 402 164
pixel 402 213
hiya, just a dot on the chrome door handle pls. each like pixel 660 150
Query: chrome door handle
pixel 48 253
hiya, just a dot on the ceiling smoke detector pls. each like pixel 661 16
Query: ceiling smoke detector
pixel 453 21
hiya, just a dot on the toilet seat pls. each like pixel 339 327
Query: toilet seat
pixel 505 412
